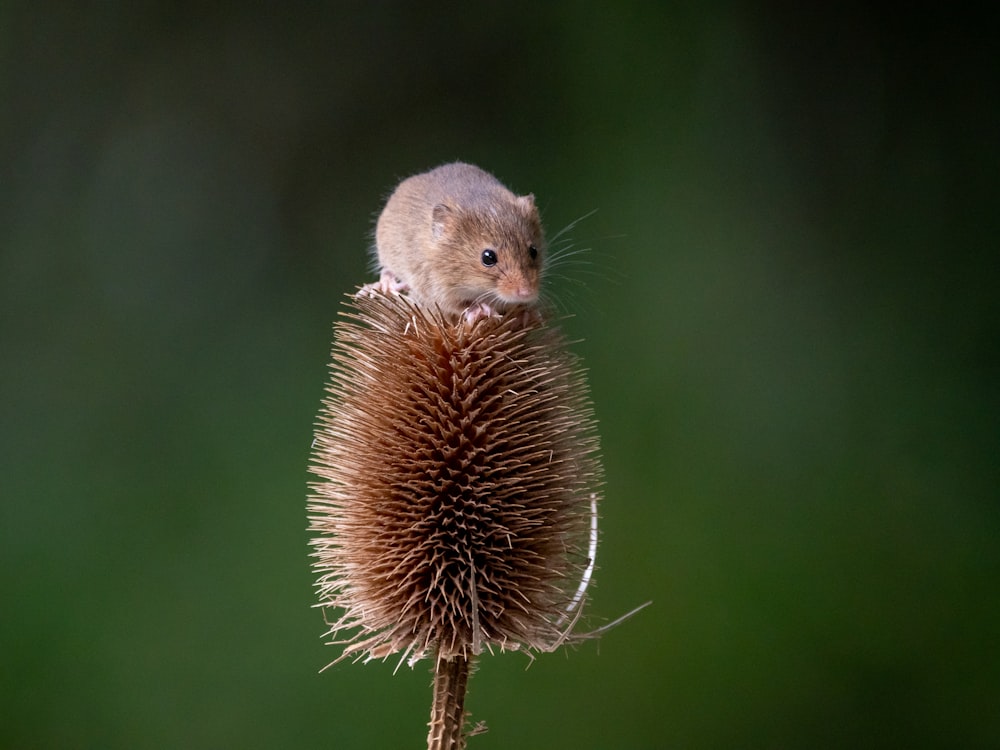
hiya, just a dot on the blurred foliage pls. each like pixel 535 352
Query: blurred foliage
pixel 788 310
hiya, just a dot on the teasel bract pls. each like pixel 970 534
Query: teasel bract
pixel 458 481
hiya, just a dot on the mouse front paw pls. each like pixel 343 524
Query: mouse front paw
pixel 386 284
pixel 528 317
pixel 477 311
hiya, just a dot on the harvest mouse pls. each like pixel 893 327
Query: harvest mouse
pixel 456 238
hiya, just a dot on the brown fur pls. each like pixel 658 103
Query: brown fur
pixel 434 228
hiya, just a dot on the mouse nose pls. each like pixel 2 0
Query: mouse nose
pixel 524 293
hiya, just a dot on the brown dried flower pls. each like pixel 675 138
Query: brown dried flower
pixel 459 477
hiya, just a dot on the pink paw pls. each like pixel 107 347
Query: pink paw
pixel 527 316
pixel 386 284
pixel 477 311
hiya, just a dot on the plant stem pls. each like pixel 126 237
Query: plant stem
pixel 448 705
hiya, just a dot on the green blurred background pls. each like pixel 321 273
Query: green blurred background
pixel 788 313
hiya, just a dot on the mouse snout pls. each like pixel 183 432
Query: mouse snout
pixel 524 292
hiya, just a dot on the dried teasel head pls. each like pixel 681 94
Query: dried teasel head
pixel 458 469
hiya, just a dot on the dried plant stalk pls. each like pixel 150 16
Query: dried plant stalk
pixel 458 480
pixel 448 705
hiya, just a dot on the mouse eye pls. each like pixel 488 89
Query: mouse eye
pixel 532 251
pixel 489 257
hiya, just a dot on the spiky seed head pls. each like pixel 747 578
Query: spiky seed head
pixel 458 471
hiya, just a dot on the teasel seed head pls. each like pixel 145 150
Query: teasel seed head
pixel 458 479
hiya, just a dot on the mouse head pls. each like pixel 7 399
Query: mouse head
pixel 491 253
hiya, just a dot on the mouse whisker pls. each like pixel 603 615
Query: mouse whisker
pixel 569 227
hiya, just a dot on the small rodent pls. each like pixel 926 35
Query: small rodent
pixel 456 238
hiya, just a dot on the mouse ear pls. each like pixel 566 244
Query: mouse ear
pixel 443 218
pixel 527 201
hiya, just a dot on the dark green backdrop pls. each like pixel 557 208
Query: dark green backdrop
pixel 788 314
